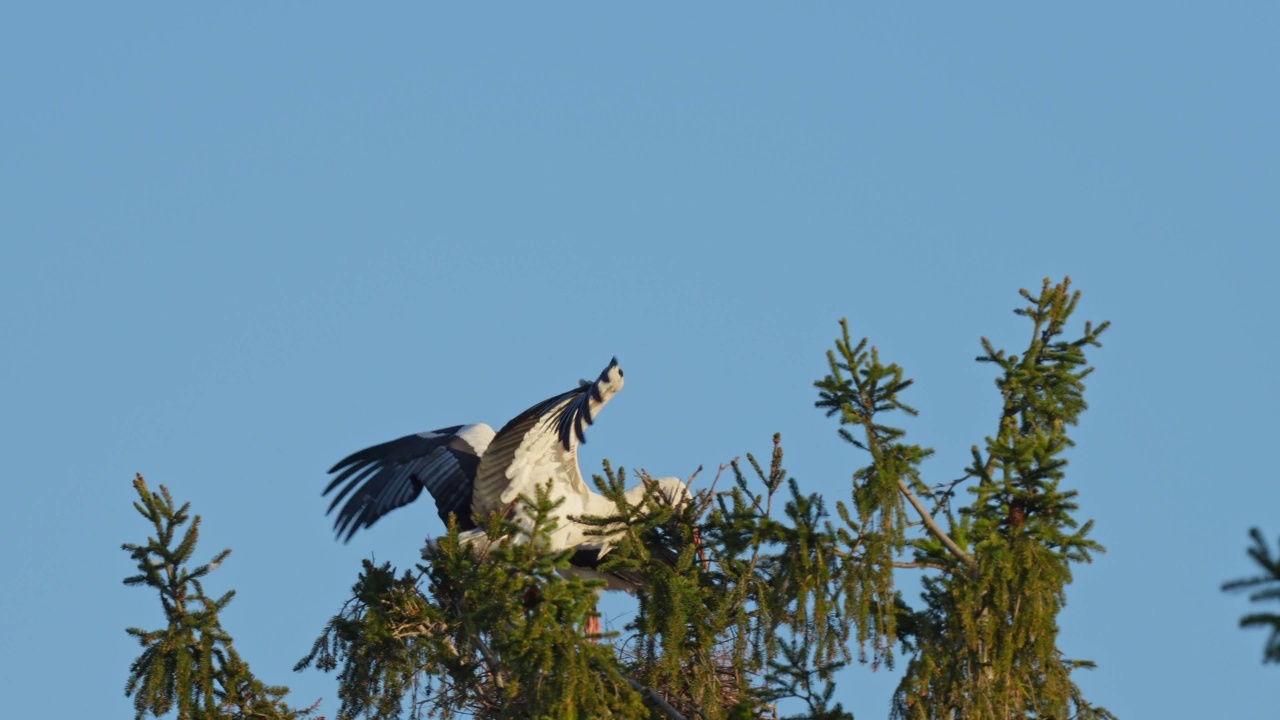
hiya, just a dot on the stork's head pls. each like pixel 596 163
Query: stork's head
pixel 609 382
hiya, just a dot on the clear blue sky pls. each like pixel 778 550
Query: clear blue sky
pixel 238 242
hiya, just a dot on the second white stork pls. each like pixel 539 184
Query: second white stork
pixel 471 471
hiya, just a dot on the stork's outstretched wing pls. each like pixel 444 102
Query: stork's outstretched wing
pixel 541 444
pixel 393 474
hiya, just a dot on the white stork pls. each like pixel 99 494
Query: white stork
pixel 470 471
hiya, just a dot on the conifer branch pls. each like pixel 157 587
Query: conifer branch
pixel 1264 587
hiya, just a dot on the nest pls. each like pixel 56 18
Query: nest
pixel 686 691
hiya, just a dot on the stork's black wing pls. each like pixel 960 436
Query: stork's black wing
pixel 384 477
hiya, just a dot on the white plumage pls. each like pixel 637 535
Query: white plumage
pixel 471 471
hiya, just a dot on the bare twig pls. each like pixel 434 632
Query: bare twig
pixel 929 522
pixel 689 483
pixel 725 466
pixel 498 678
pixel 917 566
pixel 655 698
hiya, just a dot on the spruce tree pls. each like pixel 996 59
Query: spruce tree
pixel 189 666
pixel 785 588
pixel 986 637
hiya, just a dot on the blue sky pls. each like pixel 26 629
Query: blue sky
pixel 237 243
